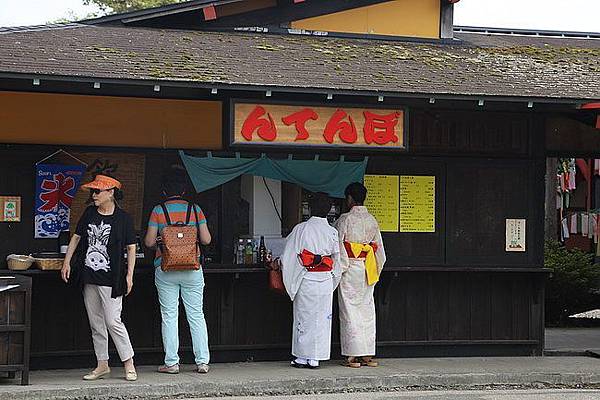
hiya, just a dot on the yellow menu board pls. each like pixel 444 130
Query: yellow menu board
pixel 382 200
pixel 417 204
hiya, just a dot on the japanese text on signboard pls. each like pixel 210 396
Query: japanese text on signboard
pixel 304 125
pixel 382 200
pixel 417 203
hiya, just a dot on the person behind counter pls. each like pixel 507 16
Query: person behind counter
pixel 362 258
pixel 107 231
pixel 170 284
pixel 311 271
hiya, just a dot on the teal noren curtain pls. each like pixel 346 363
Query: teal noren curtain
pixel 330 177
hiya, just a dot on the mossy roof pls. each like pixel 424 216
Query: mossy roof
pixel 474 64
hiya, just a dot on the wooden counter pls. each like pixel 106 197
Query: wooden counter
pixel 432 311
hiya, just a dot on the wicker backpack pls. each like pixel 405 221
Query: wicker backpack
pixel 180 243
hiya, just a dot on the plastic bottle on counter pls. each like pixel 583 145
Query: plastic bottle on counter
pixel 63 241
pixel 239 252
pixel 248 252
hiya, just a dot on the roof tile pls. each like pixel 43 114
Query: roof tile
pixel 476 64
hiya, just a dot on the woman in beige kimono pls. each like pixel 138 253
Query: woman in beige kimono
pixel 362 257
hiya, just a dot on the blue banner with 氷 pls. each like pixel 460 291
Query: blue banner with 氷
pixel 55 188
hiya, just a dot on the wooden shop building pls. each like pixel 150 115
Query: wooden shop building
pixel 448 125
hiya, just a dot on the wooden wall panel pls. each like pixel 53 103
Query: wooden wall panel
pixel 459 311
pixel 480 305
pixel 398 17
pixel 459 132
pixel 568 137
pixel 481 195
pixel 410 249
pixel 246 321
pixel 43 118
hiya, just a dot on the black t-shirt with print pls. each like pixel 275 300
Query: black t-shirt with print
pixel 100 236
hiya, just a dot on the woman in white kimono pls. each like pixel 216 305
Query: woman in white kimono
pixel 311 272
pixel 362 257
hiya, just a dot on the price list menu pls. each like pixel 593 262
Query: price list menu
pixel 417 203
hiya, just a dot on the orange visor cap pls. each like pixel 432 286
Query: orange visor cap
pixel 103 182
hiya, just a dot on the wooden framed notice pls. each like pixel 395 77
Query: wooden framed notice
pixel 315 125
pixel 515 234
pixel 10 208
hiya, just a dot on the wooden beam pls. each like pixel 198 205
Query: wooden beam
pixel 446 20
pixel 289 12
pixel 565 136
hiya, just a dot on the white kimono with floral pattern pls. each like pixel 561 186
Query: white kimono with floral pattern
pixel 355 297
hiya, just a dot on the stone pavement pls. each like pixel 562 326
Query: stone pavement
pixel 276 378
pixel 572 341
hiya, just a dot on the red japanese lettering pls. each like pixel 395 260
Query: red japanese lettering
pixel 337 125
pixel 56 191
pixel 380 129
pixel 255 121
pixel 299 119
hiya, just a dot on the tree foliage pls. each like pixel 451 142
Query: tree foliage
pixel 119 6
pixel 574 285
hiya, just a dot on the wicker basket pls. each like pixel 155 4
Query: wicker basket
pixel 18 262
pixel 48 264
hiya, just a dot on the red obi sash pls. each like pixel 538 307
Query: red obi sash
pixel 315 262
pixel 363 254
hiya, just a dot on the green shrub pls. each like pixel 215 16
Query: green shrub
pixel 574 285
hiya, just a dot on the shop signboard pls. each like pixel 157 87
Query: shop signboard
pixel 323 126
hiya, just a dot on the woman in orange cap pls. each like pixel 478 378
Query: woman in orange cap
pixel 107 231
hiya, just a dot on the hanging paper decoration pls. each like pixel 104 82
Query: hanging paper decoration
pixel 54 191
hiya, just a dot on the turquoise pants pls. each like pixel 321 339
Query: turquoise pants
pixel 191 286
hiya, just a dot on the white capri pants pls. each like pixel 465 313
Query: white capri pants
pixel 104 314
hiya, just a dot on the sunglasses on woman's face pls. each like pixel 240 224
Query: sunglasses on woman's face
pixel 97 191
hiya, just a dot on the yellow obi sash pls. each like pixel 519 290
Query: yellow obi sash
pixel 366 250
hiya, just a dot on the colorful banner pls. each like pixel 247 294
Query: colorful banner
pixel 55 188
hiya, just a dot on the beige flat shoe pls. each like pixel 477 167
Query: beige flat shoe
pixel 131 375
pixel 94 375
pixel 368 362
pixel 351 362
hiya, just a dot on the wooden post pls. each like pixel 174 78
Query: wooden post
pixel 551 223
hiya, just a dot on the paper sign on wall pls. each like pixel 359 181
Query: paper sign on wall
pixel 515 234
pixel 10 208
pixel 382 200
pixel 417 204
